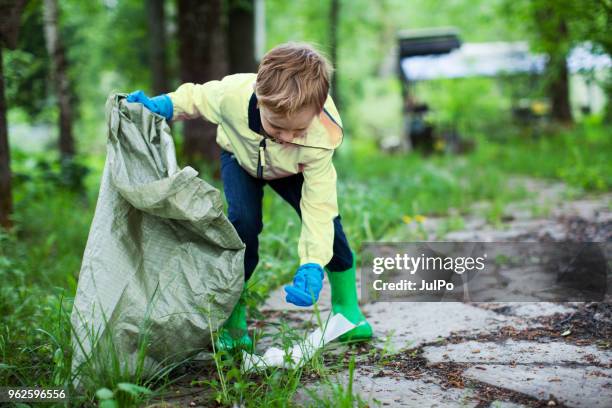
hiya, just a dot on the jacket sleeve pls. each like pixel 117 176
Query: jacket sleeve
pixel 319 207
pixel 194 100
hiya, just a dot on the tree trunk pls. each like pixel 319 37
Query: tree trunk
pixel 59 69
pixel 203 57
pixel 551 27
pixel 157 46
pixel 559 77
pixel 6 200
pixel 558 89
pixel 10 22
pixel 334 12
pixel 241 36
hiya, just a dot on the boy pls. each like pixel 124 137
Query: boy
pixel 278 127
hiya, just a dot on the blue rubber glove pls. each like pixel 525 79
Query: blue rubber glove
pixel 162 104
pixel 307 284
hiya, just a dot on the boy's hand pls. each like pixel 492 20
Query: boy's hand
pixel 307 284
pixel 162 104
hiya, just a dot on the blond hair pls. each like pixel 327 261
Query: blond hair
pixel 293 76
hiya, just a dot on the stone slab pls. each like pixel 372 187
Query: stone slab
pixel 400 325
pixel 395 392
pixel 506 404
pixel 585 386
pixel 519 352
pixel 532 310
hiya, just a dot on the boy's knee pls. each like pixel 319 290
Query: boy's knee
pixel 343 256
pixel 247 225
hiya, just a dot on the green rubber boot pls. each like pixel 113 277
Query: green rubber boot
pixel 344 300
pixel 234 334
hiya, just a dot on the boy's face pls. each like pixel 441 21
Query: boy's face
pixel 286 128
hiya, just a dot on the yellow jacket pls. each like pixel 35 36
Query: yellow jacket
pixel 231 103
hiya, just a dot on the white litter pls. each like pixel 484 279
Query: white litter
pixel 300 353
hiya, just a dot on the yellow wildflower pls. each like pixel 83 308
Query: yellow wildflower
pixel 407 219
pixel 419 218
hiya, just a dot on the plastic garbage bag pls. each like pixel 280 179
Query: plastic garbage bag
pixel 163 265
pixel 300 353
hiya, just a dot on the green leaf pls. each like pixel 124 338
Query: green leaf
pixel 109 403
pixel 104 394
pixel 58 356
pixel 233 373
pixel 133 389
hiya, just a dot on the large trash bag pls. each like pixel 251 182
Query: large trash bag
pixel 162 266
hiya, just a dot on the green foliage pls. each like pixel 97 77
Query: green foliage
pixel 34 321
pixel 540 20
pixel 377 111
pixel 554 27
pixel 127 43
pixel 114 379
pixel 579 157
pixel 40 172
pixel 333 393
pixel 26 69
pixel 275 386
pixel 39 262
pixel 271 387
pixel 470 105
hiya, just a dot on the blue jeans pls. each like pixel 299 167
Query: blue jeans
pixel 244 194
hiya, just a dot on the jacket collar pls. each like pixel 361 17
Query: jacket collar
pixel 317 135
pixel 254 116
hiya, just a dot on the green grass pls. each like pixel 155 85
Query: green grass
pixel 580 156
pixel 40 259
pixel 268 386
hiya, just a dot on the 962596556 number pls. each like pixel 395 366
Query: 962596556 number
pixel 32 394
